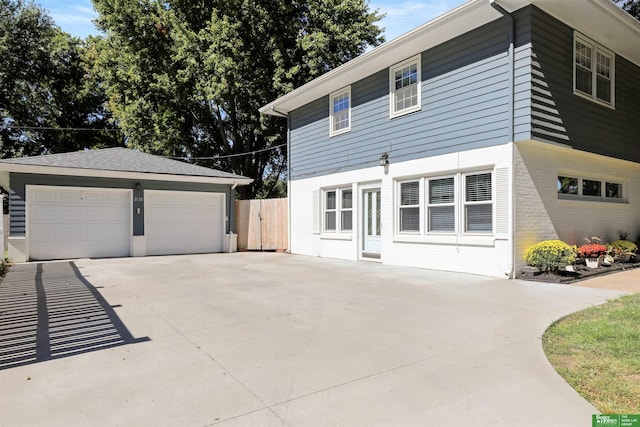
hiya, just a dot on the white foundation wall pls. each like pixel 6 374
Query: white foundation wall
pixel 489 255
pixel 541 215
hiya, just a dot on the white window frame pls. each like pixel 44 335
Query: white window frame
pixel 333 114
pixel 460 235
pixel 430 205
pixel 419 205
pixel 392 90
pixel 465 203
pixel 595 50
pixel 338 211
pixel 603 189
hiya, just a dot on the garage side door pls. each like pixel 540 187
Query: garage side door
pixel 183 222
pixel 78 222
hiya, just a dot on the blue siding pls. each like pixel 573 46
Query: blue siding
pixel 465 105
pixel 558 115
pixel 19 181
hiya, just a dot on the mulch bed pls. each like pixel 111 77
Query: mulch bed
pixel 581 272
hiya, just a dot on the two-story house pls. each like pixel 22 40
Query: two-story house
pixel 461 143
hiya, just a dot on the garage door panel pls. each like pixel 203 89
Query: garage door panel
pixel 77 223
pixel 69 197
pixel 183 222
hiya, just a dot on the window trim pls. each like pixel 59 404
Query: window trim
pixel 392 91
pixel 460 235
pixel 332 114
pixel 586 198
pixel 595 49
pixel 399 205
pixel 429 205
pixel 338 210
pixel 465 203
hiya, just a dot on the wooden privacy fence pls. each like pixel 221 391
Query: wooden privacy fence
pixel 262 224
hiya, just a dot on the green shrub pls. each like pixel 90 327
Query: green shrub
pixel 624 247
pixel 550 255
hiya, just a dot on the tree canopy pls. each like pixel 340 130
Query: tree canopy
pixel 46 92
pixel 631 6
pixel 185 78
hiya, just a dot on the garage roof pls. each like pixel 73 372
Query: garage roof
pixel 119 163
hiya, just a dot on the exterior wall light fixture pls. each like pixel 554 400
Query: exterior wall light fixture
pixel 384 159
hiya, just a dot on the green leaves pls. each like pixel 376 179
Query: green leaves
pixel 45 87
pixel 186 78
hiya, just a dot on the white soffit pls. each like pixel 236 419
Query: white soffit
pixel 600 20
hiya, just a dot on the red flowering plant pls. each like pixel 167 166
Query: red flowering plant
pixel 592 250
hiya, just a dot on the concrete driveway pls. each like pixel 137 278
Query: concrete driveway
pixel 252 339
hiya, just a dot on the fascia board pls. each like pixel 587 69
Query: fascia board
pixel 602 20
pixel 97 173
pixel 464 18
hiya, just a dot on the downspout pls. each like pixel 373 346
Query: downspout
pixel 511 22
pixel 281 114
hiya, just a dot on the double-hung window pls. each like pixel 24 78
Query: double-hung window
pixel 338 210
pixel 478 203
pixel 446 206
pixel 340 111
pixel 405 87
pixel 441 205
pixel 594 71
pixel 410 207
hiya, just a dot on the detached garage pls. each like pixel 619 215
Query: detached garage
pixel 115 202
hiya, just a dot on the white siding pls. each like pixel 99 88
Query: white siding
pixel 487 255
pixel 540 215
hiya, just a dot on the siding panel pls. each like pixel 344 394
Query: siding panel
pixel 558 115
pixel 465 94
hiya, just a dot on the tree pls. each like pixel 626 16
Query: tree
pixel 186 78
pixel 45 88
pixel 631 6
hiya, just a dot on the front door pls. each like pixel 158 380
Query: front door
pixel 371 245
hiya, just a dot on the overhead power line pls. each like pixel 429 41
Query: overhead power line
pixel 229 155
pixel 54 128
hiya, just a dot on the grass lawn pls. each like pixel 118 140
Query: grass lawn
pixel 597 351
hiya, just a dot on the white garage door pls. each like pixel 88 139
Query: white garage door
pixel 183 222
pixel 66 222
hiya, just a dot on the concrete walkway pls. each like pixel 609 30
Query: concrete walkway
pixel 625 281
pixel 253 339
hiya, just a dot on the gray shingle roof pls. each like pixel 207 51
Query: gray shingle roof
pixel 123 160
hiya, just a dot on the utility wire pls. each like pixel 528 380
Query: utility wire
pixel 169 157
pixel 229 155
pixel 54 128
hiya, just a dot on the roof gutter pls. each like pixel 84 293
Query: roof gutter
pixel 100 173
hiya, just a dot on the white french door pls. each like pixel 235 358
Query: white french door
pixel 371 245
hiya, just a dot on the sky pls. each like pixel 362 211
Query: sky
pixel 75 16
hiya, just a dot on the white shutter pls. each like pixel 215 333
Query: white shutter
pixel 316 211
pixel 502 202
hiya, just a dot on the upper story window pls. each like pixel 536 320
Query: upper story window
pixel 340 111
pixel 405 84
pixel 594 71
pixel 338 210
